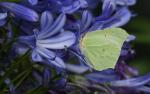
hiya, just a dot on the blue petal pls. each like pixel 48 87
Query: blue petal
pixel 133 82
pixel 37 76
pixel 123 15
pixel 60 83
pixel 46 78
pixel 61 41
pixel 55 28
pixel 92 3
pixel 21 49
pixel 57 62
pixel 130 38
pixel 2 18
pixel 126 2
pixel 86 20
pixel 125 71
pixel 46 20
pixel 28 40
pixel 45 53
pixel 144 89
pixel 77 68
pixel 83 3
pixel 102 76
pixel 72 8
pixel 108 8
pixel 33 2
pixel 21 11
pixel 36 57
pixel 2 22
pixel 49 57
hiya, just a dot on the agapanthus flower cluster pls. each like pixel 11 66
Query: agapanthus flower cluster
pixel 40 48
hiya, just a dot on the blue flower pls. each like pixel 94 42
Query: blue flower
pixel 102 76
pixel 51 36
pixel 3 17
pixel 54 39
pixel 126 2
pixel 46 78
pixel 33 2
pixel 132 82
pixel 21 11
pixel 74 6
pixel 112 16
pixel 67 6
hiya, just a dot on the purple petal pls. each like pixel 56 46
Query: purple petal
pixel 61 41
pixel 36 57
pixel 28 40
pixel 126 2
pixel 92 3
pixel 2 18
pixel 144 89
pixel 83 3
pixel 37 76
pixel 86 20
pixel 124 15
pixel 133 82
pixel 130 38
pixel 45 53
pixel 77 68
pixel 102 76
pixel 108 8
pixel 46 78
pixel 21 11
pixel 33 2
pixel 58 62
pixel 21 48
pixel 55 28
pixel 71 8
pixel 46 20
pixel 50 57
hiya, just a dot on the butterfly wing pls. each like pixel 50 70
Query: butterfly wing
pixel 102 47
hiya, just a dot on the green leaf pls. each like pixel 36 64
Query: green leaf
pixel 102 47
pixel 14 65
pixel 37 90
pixel 21 77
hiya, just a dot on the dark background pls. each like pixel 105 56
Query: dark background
pixel 140 27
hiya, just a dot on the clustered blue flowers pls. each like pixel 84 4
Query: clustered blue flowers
pixel 40 54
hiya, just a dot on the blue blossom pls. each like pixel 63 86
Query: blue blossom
pixel 67 6
pixel 132 82
pixel 102 76
pixel 126 2
pixel 74 6
pixel 111 16
pixel 20 11
pixel 53 41
pixel 3 18
pixel 33 2
pixel 51 36
pixel 46 78
pixel 78 69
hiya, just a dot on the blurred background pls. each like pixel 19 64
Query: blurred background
pixel 140 27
